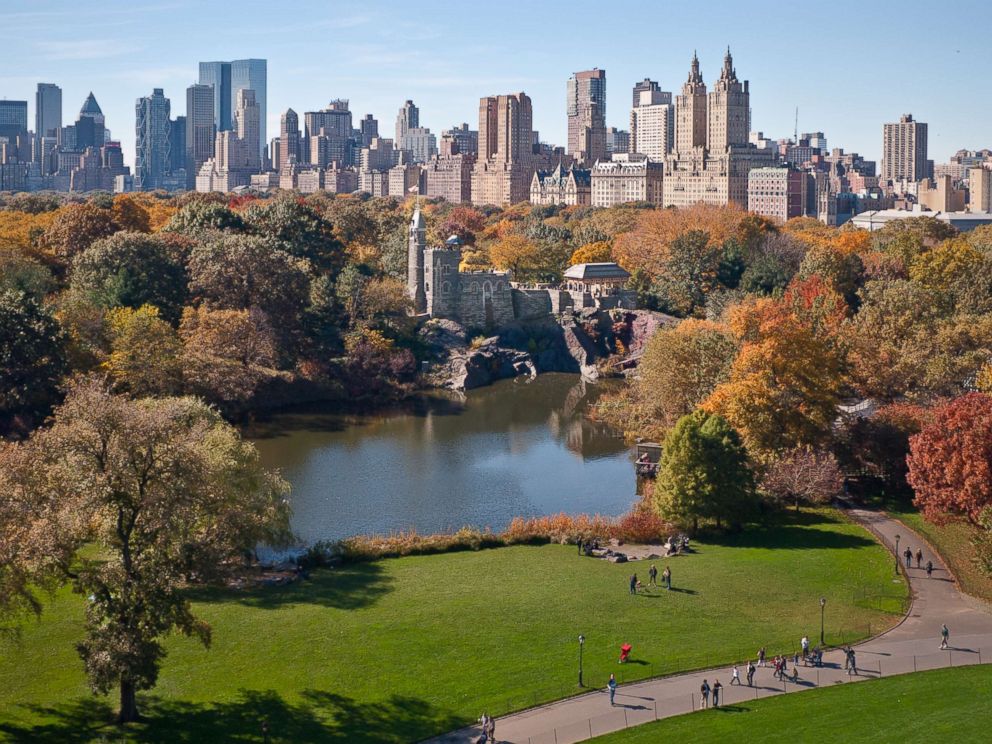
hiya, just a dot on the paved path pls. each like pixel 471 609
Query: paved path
pixel 910 646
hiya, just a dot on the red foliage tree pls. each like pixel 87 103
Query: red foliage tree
pixel 950 461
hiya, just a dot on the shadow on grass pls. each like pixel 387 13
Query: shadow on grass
pixel 352 586
pixel 793 532
pixel 317 716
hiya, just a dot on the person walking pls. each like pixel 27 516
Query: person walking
pixel 853 669
pixel 704 693
pixel 945 635
pixel 717 689
pixel 633 583
pixel 491 730
pixel 909 557
pixel 653 575
pixel 612 687
pixel 761 656
pixel 805 644
pixel 750 674
pixel 919 558
pixel 666 575
pixel 735 676
pixel 929 569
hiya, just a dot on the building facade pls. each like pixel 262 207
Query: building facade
pixel 289 139
pixel 47 115
pixel 562 186
pixel 652 124
pixel 626 178
pixel 227 78
pixel 506 161
pixel 586 110
pixel 449 174
pixel 980 189
pixel 333 122
pixel 778 193
pixel 904 151
pixel 152 147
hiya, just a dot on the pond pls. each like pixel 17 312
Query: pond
pixel 445 460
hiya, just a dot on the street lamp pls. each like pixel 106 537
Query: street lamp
pixel 897 554
pixel 823 604
pixel 582 640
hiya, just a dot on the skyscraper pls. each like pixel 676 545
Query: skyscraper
pixel 904 150
pixel 289 139
pixel 652 122
pixel 151 162
pixel 506 160
pixel 227 78
pixel 247 120
pixel 335 121
pixel 690 111
pixel 369 127
pixel 47 115
pixel 14 128
pixel 177 144
pixel 200 129
pixel 586 110
pixel 407 118
pixel 644 85
pixel 728 109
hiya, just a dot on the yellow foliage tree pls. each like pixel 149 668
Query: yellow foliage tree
pixel 598 252
pixel 145 353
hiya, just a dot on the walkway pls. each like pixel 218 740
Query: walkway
pixel 910 646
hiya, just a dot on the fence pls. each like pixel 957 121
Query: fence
pixel 638 706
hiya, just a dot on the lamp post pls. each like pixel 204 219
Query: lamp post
pixel 897 554
pixel 582 640
pixel 823 604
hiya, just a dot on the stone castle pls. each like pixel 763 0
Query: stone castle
pixel 488 299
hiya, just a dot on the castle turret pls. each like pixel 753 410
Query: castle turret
pixel 417 242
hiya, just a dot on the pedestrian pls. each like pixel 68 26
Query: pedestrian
pixel 750 673
pixel 704 693
pixel 929 569
pixel 633 583
pixel 735 676
pixel 491 732
pixel 653 575
pixel 484 721
pixel 667 576
pixel 612 687
pixel 717 689
pixel 919 558
pixel 580 545
pixel 761 656
pixel 945 634
pixel 909 557
pixel 854 662
pixel 805 644
pixel 847 658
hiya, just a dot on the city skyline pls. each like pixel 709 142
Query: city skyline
pixel 444 63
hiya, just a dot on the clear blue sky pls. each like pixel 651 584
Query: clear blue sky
pixel 848 66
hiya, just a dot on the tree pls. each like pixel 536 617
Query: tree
pixel 32 358
pixel 518 254
pixel 144 352
pixel 199 216
pixel 681 366
pixel 950 461
pixel 76 227
pixel 803 474
pixel 21 273
pixel 878 445
pixel 704 474
pixel 297 229
pixel 130 215
pixel 132 269
pixel 598 252
pixel 844 272
pixel 145 495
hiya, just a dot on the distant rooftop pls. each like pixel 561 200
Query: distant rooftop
pixel 592 271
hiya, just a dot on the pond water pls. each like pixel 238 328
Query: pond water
pixel 520 447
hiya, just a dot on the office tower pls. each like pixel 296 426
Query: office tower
pixel 617 140
pixel 407 118
pixel 200 128
pixel 289 139
pixel 247 119
pixel 643 86
pixel 904 150
pixel 728 120
pixel 47 115
pixel 14 129
pixel 151 161
pixel 506 161
pixel 335 121
pixel 227 78
pixel 467 139
pixel 652 122
pixel 690 111
pixel 586 110
pixel 369 127
pixel 177 145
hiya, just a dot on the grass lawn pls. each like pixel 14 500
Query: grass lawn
pixel 400 649
pixel 910 708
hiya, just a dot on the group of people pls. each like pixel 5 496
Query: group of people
pixel 488 735
pixel 705 691
pixel 908 555
pixel 666 578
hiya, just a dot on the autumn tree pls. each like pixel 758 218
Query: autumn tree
pixel 199 216
pixel 144 496
pixel 950 461
pixel 22 273
pixel 704 474
pixel 803 475
pixel 129 214
pixel 76 227
pixel 518 254
pixel 298 230
pixel 878 444
pixel 144 352
pixel 598 252
pixel 843 272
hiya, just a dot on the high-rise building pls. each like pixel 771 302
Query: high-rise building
pixel 778 193
pixel 151 162
pixel 585 106
pixel 506 161
pixel 407 118
pixel 200 128
pixel 227 78
pixel 89 130
pixel 644 86
pixel 467 139
pixel 369 128
pixel 690 111
pixel 617 140
pixel 904 151
pixel 289 139
pixel 47 115
pixel 980 189
pixel 334 122
pixel 248 122
pixel 728 110
pixel 14 129
pixel 652 123
pixel 177 145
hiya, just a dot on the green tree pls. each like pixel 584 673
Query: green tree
pixel 144 495
pixel 144 352
pixel 704 474
pixel 199 216
pixel 299 230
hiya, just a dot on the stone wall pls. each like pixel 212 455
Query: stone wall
pixel 484 300
pixel 531 303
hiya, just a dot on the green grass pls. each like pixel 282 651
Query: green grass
pixel 926 707
pixel 400 649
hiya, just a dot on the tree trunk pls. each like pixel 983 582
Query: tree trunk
pixel 129 702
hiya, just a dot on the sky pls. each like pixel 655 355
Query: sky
pixel 848 66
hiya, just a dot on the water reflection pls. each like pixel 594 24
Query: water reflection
pixel 447 460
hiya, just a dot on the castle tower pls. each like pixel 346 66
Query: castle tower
pixel 729 110
pixel 690 111
pixel 415 262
